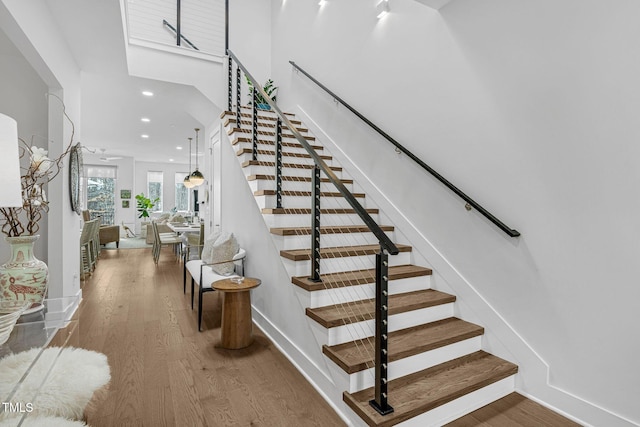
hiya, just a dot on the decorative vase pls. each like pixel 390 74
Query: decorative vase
pixel 24 277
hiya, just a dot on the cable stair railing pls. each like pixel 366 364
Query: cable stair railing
pixel 308 179
pixel 306 199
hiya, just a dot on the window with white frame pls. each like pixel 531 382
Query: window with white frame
pixel 154 189
pixel 182 192
pixel 100 192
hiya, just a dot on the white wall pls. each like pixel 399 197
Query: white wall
pixel 23 98
pixel 29 27
pixel 529 107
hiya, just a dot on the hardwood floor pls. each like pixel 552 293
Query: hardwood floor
pixel 513 410
pixel 166 373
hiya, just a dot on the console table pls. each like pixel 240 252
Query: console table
pixel 237 327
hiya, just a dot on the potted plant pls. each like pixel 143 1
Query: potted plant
pixel 144 205
pixel 269 88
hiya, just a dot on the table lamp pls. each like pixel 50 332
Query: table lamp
pixel 11 188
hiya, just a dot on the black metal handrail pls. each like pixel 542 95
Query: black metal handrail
pixel 384 240
pixel 172 28
pixel 511 232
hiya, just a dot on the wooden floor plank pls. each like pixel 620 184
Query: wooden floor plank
pixel 513 410
pixel 164 372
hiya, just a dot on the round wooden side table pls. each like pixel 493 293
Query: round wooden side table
pixel 237 327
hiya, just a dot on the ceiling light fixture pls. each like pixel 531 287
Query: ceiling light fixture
pixel 196 177
pixel 145 119
pixel 322 2
pixel 147 93
pixel 179 147
pixel 187 179
pixel 144 135
pixel 382 8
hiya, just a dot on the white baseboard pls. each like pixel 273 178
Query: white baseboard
pixel 501 338
pixel 312 373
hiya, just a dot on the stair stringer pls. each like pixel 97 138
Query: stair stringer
pixel 340 384
pixel 500 338
pixel 275 307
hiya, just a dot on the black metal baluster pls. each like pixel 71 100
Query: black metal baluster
pixel 230 84
pixel 279 163
pixel 315 226
pixel 178 36
pixel 238 89
pixel 379 403
pixel 254 153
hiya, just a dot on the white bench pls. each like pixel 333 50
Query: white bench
pixel 204 276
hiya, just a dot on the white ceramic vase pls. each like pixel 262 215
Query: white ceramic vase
pixel 24 277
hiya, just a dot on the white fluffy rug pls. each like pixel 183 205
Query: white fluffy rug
pixel 43 422
pixel 77 373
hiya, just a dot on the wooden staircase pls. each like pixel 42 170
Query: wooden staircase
pixel 437 368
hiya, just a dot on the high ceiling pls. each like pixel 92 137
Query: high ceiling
pixel 112 102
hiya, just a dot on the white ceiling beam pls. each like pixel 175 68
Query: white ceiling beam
pixel 434 4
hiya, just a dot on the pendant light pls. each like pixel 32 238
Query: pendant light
pixel 187 181
pixel 196 177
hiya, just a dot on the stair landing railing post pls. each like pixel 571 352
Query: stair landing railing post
pixel 379 402
pixel 279 163
pixel 315 226
pixel 238 90
pixel 230 84
pixel 254 125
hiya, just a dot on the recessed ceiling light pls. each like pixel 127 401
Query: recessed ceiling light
pixel 144 136
pixel 171 160
pixel 147 93
pixel 145 119
pixel 178 147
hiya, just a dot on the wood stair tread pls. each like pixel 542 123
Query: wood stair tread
pixel 335 252
pixel 242 151
pixel 249 140
pixel 332 316
pixel 513 409
pixel 307 211
pixel 261 113
pixel 270 124
pixel 285 165
pixel 266 133
pixel 425 390
pixel 330 229
pixel 261 117
pixel 359 277
pixel 358 355
pixel 292 178
pixel 303 193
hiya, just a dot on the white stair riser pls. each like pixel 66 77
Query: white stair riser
pixel 268 145
pixel 304 219
pixel 270 184
pixel 303 241
pixel 285 159
pixel 451 411
pixel 286 171
pixel 303 202
pixel 362 330
pixel 324 297
pixel 269 137
pixel 265 125
pixel 334 265
pixel 408 365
